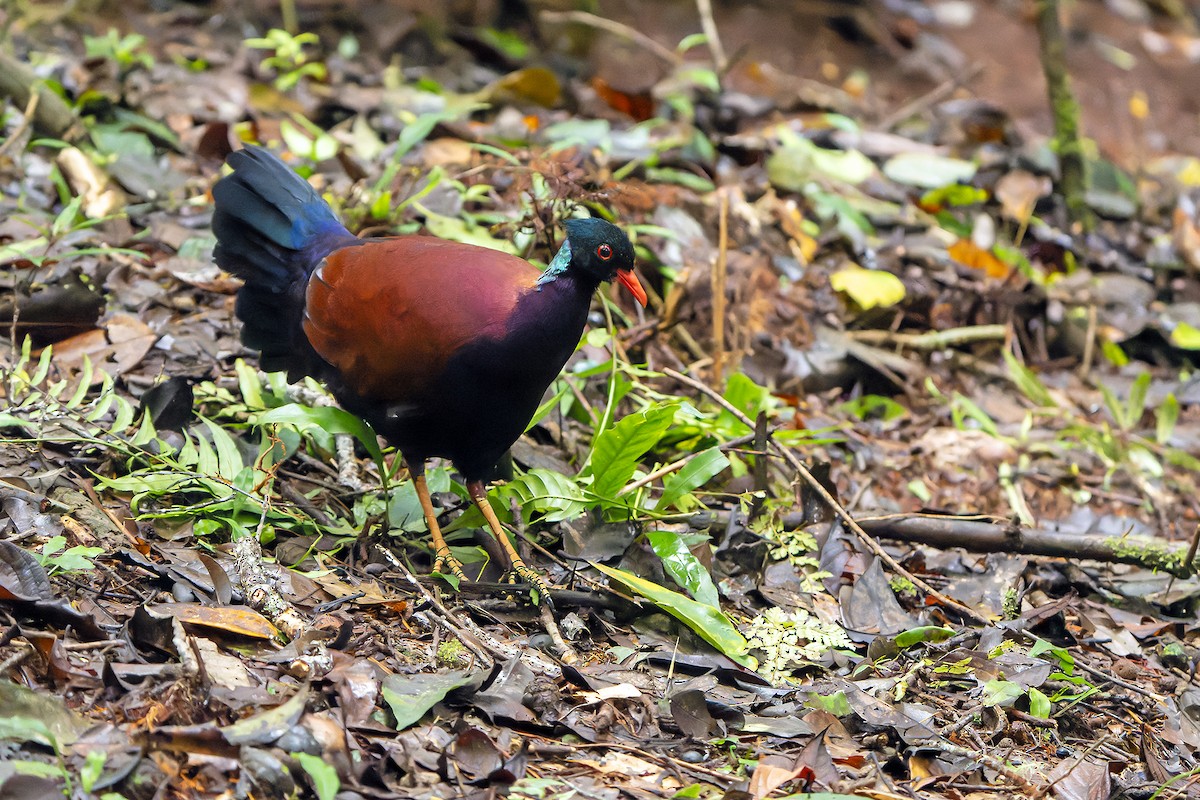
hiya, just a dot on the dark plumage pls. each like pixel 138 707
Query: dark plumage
pixel 445 348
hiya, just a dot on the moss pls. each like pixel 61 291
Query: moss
pixel 1153 555
pixel 451 653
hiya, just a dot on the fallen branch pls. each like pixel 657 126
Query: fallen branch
pixel 990 537
pixel 867 540
pixel 51 115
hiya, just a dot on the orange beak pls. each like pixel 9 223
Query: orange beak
pixel 630 282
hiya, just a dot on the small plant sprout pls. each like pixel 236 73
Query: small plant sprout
pixel 291 63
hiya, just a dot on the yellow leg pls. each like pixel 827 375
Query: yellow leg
pixel 441 552
pixel 524 571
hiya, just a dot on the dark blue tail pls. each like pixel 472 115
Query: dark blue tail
pixel 272 231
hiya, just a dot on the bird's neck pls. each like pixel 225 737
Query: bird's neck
pixel 558 265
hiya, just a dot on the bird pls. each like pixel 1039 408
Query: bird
pixel 446 349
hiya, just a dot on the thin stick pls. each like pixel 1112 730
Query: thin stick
pixel 709 26
pixel 633 486
pixel 824 494
pixel 591 20
pixel 719 275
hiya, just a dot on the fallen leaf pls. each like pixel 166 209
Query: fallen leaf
pixel 115 350
pixel 869 288
pixel 969 254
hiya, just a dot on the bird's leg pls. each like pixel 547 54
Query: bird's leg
pixel 441 552
pixel 531 576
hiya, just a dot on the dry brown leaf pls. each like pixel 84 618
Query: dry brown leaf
pixel 969 254
pixel 115 350
pixel 1018 193
pixel 240 621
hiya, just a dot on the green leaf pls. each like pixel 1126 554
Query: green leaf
pixel 324 776
pixel 683 567
pixel 1167 416
pixel 458 230
pixel 1029 384
pixel 1186 337
pixel 1039 704
pixel 27 729
pixel 709 623
pixel 928 170
pixel 800 162
pixel 700 470
pixel 248 384
pixel 329 419
pixel 927 633
pixel 411 696
pixel 619 449
pixel 1001 693
pixel 1137 401
pixel 229 457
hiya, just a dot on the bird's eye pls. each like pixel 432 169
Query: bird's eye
pixel 604 251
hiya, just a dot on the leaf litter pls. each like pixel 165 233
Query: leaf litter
pixel 901 301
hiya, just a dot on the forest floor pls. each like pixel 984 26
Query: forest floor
pixel 890 492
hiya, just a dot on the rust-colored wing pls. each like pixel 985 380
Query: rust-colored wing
pixel 389 313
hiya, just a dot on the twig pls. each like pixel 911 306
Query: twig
pixel 832 502
pixel 933 340
pixel 610 26
pixel 23 126
pixel 978 536
pixel 473 637
pixel 720 274
pixel 936 95
pixel 633 486
pixel 709 26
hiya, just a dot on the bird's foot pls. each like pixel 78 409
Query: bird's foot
pixel 447 564
pixel 536 582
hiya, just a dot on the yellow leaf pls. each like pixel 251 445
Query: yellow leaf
pixel 1139 105
pixel 868 287
pixel 1186 336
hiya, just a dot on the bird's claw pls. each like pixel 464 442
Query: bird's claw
pixel 535 580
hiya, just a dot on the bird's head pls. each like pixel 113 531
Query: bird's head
pixel 602 251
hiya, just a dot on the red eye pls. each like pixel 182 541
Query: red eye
pixel 604 251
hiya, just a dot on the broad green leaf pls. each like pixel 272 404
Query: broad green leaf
pixel 683 567
pixel 458 230
pixel 229 458
pixel 928 170
pixel 411 696
pixel 207 462
pixel 538 491
pixel 1001 693
pixel 1039 704
pixel 914 636
pixel 248 384
pixel 324 775
pixel 619 449
pixel 329 419
pixel 868 288
pixel 709 623
pixel 800 162
pixel 705 466
pixel 836 703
